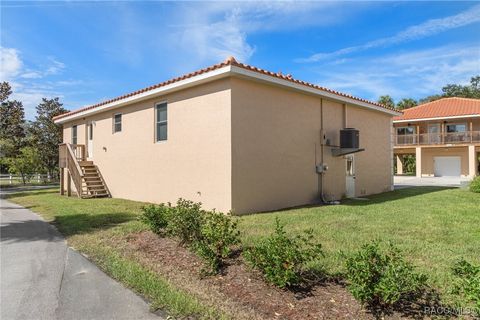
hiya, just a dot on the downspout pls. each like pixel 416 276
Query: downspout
pixel 322 139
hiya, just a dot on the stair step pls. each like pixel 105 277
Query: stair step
pixel 95 186
pixel 92 184
pixel 91 178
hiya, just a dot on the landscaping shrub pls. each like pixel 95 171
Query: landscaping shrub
pixel 467 282
pixel 282 258
pixel 156 217
pixel 475 185
pixel 381 278
pixel 185 222
pixel 210 234
pixel 219 234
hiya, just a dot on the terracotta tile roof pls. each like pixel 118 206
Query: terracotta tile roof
pixel 446 107
pixel 229 61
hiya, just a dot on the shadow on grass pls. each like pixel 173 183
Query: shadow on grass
pixel 35 230
pixel 368 200
pixel 84 223
pixel 26 193
pixel 394 195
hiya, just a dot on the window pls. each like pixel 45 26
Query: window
pixel 74 134
pixel 161 121
pixel 90 131
pixel 456 128
pixel 405 130
pixel 117 122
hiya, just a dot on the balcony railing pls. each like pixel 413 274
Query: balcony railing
pixel 437 138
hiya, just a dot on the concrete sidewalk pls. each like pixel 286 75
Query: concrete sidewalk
pixel 41 278
pixel 401 182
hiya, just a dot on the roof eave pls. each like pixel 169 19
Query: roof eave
pixel 438 118
pixel 179 85
pixel 218 74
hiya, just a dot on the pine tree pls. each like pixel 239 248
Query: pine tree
pixel 12 119
pixel 47 135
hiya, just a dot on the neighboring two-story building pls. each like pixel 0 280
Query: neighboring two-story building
pixel 232 136
pixel 444 136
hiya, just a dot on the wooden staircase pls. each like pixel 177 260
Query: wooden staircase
pixel 93 185
pixel 84 174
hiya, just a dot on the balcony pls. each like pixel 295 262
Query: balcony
pixel 449 138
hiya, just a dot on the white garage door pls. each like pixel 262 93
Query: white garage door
pixel 447 166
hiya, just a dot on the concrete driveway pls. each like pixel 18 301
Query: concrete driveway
pixel 42 278
pixel 412 181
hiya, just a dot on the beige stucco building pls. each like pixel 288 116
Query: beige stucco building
pixel 232 136
pixel 443 136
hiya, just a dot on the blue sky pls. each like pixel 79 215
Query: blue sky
pixel 85 52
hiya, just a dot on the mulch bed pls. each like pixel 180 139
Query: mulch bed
pixel 242 292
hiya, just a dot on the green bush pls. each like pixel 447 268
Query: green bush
pixel 219 234
pixel 186 221
pixel 467 282
pixel 156 217
pixel 210 234
pixel 475 185
pixel 381 278
pixel 282 259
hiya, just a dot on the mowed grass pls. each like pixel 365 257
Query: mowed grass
pixel 433 226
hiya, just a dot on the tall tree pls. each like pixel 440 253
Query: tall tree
pixel 12 118
pixel 430 98
pixel 406 103
pixel 468 91
pixel 5 91
pixel 47 135
pixel 387 101
pixel 26 163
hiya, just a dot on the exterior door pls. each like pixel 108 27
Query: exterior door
pixel 350 176
pixel 90 140
pixel 434 133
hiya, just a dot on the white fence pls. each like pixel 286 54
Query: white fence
pixel 6 179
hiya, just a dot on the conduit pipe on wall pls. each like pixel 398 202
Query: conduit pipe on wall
pixel 322 139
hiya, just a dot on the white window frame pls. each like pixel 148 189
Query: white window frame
pixel 74 129
pixel 114 123
pixel 156 122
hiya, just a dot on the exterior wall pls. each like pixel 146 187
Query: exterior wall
pixel 276 145
pixel 238 145
pixel 429 153
pixel 194 163
pixel 275 141
pixel 374 166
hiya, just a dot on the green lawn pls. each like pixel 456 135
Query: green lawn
pixel 434 226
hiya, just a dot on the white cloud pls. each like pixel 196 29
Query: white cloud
pixel 217 39
pixel 10 63
pixel 30 85
pixel 411 74
pixel 423 30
